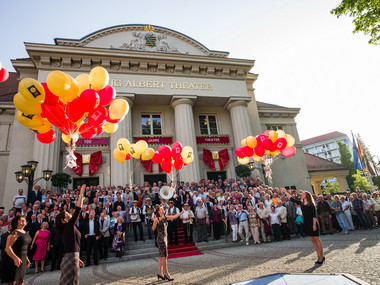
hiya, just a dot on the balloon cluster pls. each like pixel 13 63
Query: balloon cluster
pixel 75 106
pixel 176 156
pixel 4 74
pixel 267 145
pixel 125 150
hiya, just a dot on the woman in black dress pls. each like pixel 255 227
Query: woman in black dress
pixel 16 260
pixel 160 221
pixel 65 224
pixel 311 227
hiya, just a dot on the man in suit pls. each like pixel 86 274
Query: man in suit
pixel 92 235
pixel 291 215
pixel 69 203
pixel 35 195
pixel 104 228
pixel 56 247
pixel 118 202
pixel 83 218
pixel 34 211
pixel 173 224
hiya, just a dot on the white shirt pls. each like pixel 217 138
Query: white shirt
pixel 274 218
pixel 19 200
pixel 172 211
pixel 135 210
pixel 91 231
pixel 185 216
pixel 345 204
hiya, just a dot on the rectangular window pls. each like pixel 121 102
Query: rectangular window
pixel 208 125
pixel 275 127
pixel 151 124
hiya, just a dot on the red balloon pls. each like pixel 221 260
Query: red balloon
pixel 260 139
pixel 54 114
pixel 178 163
pixel 74 110
pixel 157 158
pixel 50 98
pixel 46 137
pixel 176 150
pixel 165 152
pixel 128 156
pixel 247 151
pixel 99 130
pixel 68 128
pixel 166 165
pixel 85 127
pixel 281 143
pixel 89 134
pixel 113 121
pixel 90 99
pixel 267 144
pixel 4 75
pixel 259 150
pixel 239 152
pixel 98 116
pixel 273 148
pixel 288 152
pixel 107 95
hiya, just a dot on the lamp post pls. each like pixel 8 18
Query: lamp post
pixel 27 174
pixel 252 167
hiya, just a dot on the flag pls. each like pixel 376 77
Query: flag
pixel 357 161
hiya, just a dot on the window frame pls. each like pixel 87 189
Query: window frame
pixel 208 125
pixel 151 124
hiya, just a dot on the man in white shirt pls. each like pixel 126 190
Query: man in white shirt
pixel 92 235
pixel 173 224
pixel 18 200
pixel 148 212
pixel 281 210
pixel 187 220
pixel 134 213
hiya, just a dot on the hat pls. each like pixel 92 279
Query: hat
pixel 171 201
pixel 186 204
pixel 135 201
pixel 148 199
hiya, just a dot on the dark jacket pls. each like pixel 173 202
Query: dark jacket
pixel 82 221
pixel 55 238
pixel 124 228
pixel 29 215
pixel 32 228
pixel 86 228
pixel 212 215
pixel 3 243
pixel 34 197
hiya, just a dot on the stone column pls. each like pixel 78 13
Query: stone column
pixel 239 119
pixel 120 172
pixel 317 187
pixel 185 133
pixel 342 183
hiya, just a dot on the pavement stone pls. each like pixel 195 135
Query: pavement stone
pixel 357 253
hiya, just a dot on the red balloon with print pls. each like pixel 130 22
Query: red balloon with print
pixel 288 152
pixel 281 143
pixel 98 116
pixel 90 99
pixel 260 139
pixel 157 158
pixel 176 150
pixel 239 152
pixel 247 151
pixel 107 95
pixel 165 152
pixel 54 114
pixel 166 165
pixel 259 151
pixel 178 163
pixel 267 144
pixel 74 110
pixel 50 98
pixel 47 137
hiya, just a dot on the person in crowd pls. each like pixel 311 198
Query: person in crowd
pixel 118 239
pixel 104 230
pixel 135 213
pixel 358 207
pixel 242 216
pixel 334 220
pixel 346 207
pixel 337 207
pixel 310 221
pixel 284 220
pixel 19 200
pixel 265 230
pixel 172 224
pixel 231 215
pixel 201 220
pixel 369 210
pixel 16 259
pixel 71 238
pixel 216 220
pixel 324 213
pixel 42 240
pixel 148 211
pixel 254 224
pixel 299 220
pixel 187 219
pixel 160 222
pixel 35 195
pixel 92 235
pixel 35 211
pixel 275 222
pixel 268 202
pixel 56 246
pixel 376 205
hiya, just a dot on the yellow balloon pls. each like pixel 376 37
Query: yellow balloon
pixel 141 146
pixel 133 152
pixel 187 152
pixel 118 155
pixel 123 145
pixel 44 128
pixel 267 152
pixel 189 160
pixel 280 133
pixel 148 154
pixel 275 153
pixel 273 136
pixel 244 160
pixel 72 93
pixel 30 121
pixel 118 109
pixel 67 138
pixel 99 78
pixel 244 142
pixel 32 90
pixel 25 106
pixel 290 141
pixel 83 82
pixel 110 127
pixel 58 82
pixel 256 157
pixel 251 142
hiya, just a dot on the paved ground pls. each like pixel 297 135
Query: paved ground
pixel 357 253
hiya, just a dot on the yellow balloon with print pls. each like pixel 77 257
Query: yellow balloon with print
pixel 58 82
pixel 99 78
pixel 256 157
pixel 46 126
pixel 243 160
pixel 118 109
pixel 186 153
pixel 123 145
pixel 280 133
pixel 25 106
pixel 32 90
pixel 141 146
pixel 110 127
pixel 83 82
pixel 148 154
pixel 30 121
pixel 251 142
pixel 133 152
pixel 118 155
pixel 290 141
pixel 189 160
pixel 244 142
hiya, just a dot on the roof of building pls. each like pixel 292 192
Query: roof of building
pixel 316 163
pixel 8 88
pixel 322 138
pixel 267 105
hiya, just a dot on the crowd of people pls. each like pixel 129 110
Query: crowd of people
pixel 242 208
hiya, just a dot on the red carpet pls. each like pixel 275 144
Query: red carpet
pixel 182 249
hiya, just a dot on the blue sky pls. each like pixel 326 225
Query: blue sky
pixel 305 57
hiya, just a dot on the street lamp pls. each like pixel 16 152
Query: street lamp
pixel 252 167
pixel 27 174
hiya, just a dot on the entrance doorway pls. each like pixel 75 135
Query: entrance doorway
pixel 89 181
pixel 151 178
pixel 216 175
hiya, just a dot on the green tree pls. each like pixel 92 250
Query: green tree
pixel 360 180
pixel 346 160
pixel 331 188
pixel 60 180
pixel 243 170
pixel 365 14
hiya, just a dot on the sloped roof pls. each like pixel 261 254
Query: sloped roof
pixel 322 138
pixel 316 163
pixel 8 88
pixel 267 105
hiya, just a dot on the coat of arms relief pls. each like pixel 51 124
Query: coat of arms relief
pixel 149 41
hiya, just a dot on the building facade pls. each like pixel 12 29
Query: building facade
pixel 178 90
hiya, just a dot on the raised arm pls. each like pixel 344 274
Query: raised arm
pixel 169 218
pixel 81 195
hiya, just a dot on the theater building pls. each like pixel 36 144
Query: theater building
pixel 178 90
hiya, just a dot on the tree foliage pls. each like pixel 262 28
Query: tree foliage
pixel 365 14
pixel 243 170
pixel 360 180
pixel 331 188
pixel 61 180
pixel 346 160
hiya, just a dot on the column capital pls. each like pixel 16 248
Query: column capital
pixel 237 101
pixel 186 99
pixel 130 97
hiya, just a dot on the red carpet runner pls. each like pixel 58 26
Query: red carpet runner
pixel 182 250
